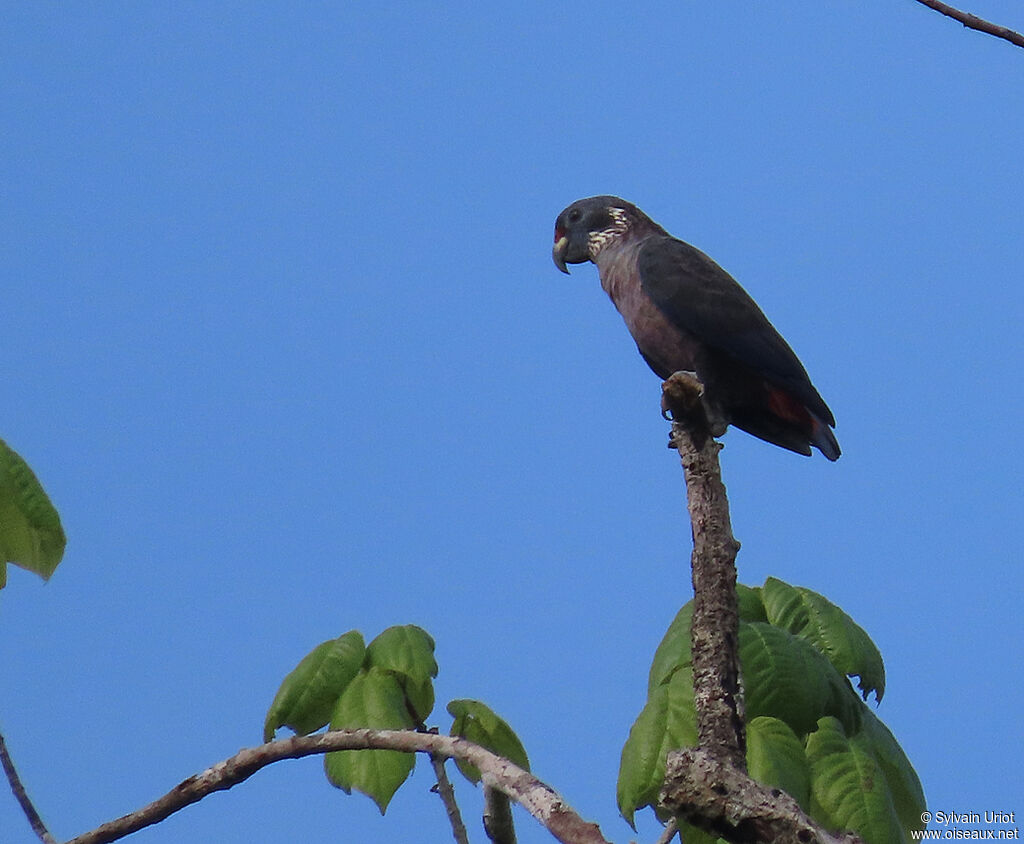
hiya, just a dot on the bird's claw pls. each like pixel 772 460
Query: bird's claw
pixel 666 411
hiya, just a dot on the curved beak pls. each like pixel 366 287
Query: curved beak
pixel 558 253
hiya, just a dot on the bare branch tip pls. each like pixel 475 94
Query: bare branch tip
pixel 21 795
pixel 970 21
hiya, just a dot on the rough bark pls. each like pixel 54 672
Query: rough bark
pixel 540 800
pixel 708 786
pixel 715 629
pixel 726 802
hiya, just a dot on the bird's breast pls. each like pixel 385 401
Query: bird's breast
pixel 665 346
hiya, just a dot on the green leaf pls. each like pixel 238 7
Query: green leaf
pixel 693 835
pixel 374 699
pixel 750 605
pixel 31 535
pixel 308 694
pixel 796 652
pixel 816 619
pixel 844 703
pixel 849 786
pixel 667 722
pixel 784 677
pixel 904 785
pixel 479 724
pixel 405 649
pixel 408 650
pixel 775 756
pixel 674 650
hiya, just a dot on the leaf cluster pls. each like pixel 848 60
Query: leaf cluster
pixel 808 731
pixel 345 684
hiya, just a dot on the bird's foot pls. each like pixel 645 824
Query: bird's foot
pixel 681 395
pixel 682 404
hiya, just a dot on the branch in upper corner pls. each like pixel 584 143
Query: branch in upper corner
pixel 976 23
pixel 36 822
pixel 538 799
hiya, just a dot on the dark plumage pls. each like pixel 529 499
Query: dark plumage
pixel 686 313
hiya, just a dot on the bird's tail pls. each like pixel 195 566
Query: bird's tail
pixel 824 440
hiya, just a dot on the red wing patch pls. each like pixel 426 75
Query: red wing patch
pixel 783 405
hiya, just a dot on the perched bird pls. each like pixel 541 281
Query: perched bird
pixel 686 313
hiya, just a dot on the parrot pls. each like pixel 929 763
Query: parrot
pixel 687 314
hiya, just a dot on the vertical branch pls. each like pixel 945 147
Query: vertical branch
pixel 715 629
pixel 498 817
pixel 708 785
pixel 447 794
pixel 38 827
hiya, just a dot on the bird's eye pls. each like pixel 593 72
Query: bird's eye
pixel 575 215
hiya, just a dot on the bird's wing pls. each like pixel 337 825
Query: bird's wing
pixel 703 299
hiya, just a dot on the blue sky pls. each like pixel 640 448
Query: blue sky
pixel 284 343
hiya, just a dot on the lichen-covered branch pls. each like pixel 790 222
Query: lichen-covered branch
pixel 708 785
pixel 726 802
pixel 715 628
pixel 538 799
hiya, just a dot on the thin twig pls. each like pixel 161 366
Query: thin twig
pixel 974 22
pixel 447 795
pixel 540 800
pixel 22 797
pixel 671 828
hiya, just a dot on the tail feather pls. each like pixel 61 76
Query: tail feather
pixel 824 440
pixel 794 422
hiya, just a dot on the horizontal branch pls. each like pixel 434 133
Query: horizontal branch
pixel 974 22
pixel 538 799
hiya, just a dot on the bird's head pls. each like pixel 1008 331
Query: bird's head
pixel 590 225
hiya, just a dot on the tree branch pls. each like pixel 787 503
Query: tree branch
pixel 974 22
pixel 36 822
pixel 538 799
pixel 714 632
pixel 729 804
pixel 669 832
pixel 447 794
pixel 708 785
pixel 498 817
